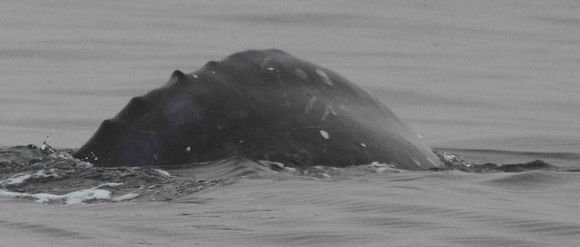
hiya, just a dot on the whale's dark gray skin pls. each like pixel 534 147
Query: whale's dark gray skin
pixel 262 105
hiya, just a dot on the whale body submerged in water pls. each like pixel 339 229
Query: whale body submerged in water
pixel 262 105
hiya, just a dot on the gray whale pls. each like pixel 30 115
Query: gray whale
pixel 257 104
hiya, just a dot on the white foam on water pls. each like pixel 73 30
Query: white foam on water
pixel 21 178
pixel 380 167
pixel 163 173
pixel 10 194
pixel 125 197
pixel 75 197
pixel 109 185
pixel 290 169
pixel 16 179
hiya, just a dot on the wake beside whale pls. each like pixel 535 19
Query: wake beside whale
pixel 261 105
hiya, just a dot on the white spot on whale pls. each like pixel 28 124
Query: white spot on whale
pixel 194 76
pixel 301 74
pixel 363 145
pixel 310 104
pixel 264 63
pixel 324 77
pixel 270 69
pixel 344 107
pixel 188 149
pixel 328 110
pixel 416 162
pixel 324 134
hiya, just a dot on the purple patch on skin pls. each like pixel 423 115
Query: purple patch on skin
pixel 144 149
pixel 182 111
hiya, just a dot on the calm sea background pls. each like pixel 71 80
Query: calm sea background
pixel 495 81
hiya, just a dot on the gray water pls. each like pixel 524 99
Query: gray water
pixel 495 81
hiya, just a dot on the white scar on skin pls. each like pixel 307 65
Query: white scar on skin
pixel 324 77
pixel 310 104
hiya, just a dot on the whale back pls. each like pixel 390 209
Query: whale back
pixel 263 105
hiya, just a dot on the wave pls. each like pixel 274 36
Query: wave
pixel 537 155
pixel 44 174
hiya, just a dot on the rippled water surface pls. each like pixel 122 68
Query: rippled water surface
pixel 492 81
